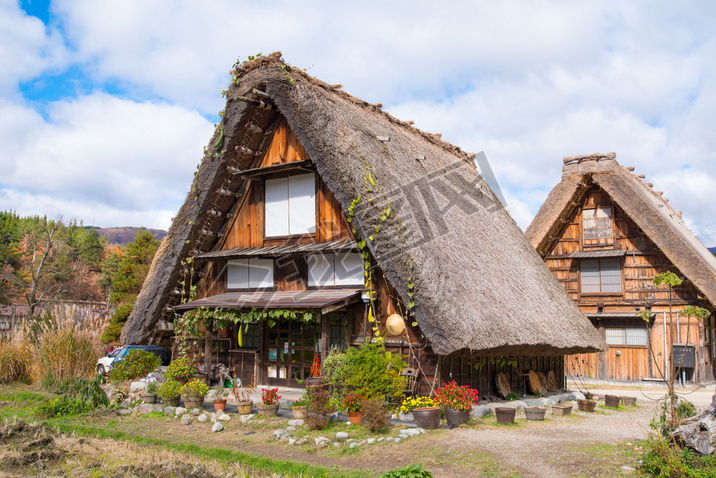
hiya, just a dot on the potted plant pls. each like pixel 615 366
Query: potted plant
pixel 353 406
pixel 220 394
pixel 424 410
pixel 193 393
pixel 169 392
pixel 269 399
pixel 150 394
pixel 181 370
pixel 243 398
pixel 457 400
pixel 300 407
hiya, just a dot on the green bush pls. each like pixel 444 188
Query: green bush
pixel 181 369
pixel 169 389
pixel 82 396
pixel 65 354
pixel 113 329
pixel 683 409
pixel 195 387
pixel 136 364
pixel 370 371
pixel 409 471
pixel 665 460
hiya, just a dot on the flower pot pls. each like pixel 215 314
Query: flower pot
pixel 427 417
pixel 586 405
pixel 193 401
pixel 455 416
pixel 267 410
pixel 149 398
pixel 245 408
pixel 356 418
pixel 299 411
pixel 535 413
pixel 505 415
pixel 612 400
pixel 561 410
pixel 220 405
pixel 171 402
pixel 629 400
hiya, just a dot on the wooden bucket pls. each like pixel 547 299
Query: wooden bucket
pixel 561 410
pixel 629 401
pixel 535 413
pixel 586 405
pixel 505 415
pixel 612 400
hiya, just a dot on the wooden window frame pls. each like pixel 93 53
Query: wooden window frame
pixel 247 289
pixel 334 286
pixel 624 329
pixel 602 294
pixel 314 234
pixel 611 240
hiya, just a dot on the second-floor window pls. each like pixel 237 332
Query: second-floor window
pixel 597 223
pixel 249 274
pixel 339 269
pixel 602 276
pixel 291 205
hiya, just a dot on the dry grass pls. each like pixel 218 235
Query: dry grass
pixel 15 362
pixel 63 354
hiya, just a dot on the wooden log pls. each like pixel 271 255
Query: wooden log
pixel 699 432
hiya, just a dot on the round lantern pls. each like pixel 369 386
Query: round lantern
pixel 395 324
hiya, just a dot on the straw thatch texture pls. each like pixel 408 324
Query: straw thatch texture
pixel 479 285
pixel 647 208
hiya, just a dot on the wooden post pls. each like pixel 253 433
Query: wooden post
pixel 208 346
pixel 325 330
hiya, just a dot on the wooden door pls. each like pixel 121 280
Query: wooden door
pixel 290 348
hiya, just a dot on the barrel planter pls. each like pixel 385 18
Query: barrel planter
pixel 267 410
pixel 586 405
pixel 535 413
pixel 149 398
pixel 193 401
pixel 505 415
pixel 561 410
pixel 612 400
pixel 629 401
pixel 427 417
pixel 171 402
pixel 455 416
pixel 299 411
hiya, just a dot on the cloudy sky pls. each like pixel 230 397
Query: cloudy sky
pixel 105 106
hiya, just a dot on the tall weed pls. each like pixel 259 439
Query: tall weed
pixel 15 362
pixel 64 354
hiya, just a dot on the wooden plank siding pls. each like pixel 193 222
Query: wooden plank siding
pixel 641 263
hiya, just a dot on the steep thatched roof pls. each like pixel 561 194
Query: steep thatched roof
pixel 478 284
pixel 646 207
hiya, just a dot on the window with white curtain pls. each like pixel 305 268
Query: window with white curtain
pixel 249 274
pixel 601 276
pixel 335 269
pixel 626 336
pixel 597 223
pixel 290 204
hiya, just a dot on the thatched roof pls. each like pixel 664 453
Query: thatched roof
pixel 645 206
pixel 478 284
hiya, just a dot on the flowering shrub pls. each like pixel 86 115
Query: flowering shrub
pixel 453 396
pixel 181 369
pixel 168 390
pixel 269 396
pixel 352 403
pixel 411 403
pixel 196 387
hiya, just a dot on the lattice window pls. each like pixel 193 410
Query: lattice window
pixel 597 223
pixel 626 336
pixel 601 276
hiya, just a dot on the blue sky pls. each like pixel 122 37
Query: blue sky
pixel 105 107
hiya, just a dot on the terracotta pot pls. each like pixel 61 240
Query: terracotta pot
pixel 629 400
pixel 561 410
pixel 171 402
pixel 427 417
pixel 220 405
pixel 535 413
pixel 299 411
pixel 193 401
pixel 149 398
pixel 455 416
pixel 267 410
pixel 356 418
pixel 505 415
pixel 586 405
pixel 245 408
pixel 612 401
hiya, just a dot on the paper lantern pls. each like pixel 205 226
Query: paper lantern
pixel 395 324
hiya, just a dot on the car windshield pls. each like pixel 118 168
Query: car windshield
pixel 115 352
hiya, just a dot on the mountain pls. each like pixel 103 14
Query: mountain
pixel 123 235
pixel 713 250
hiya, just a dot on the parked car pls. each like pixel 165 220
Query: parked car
pixel 105 364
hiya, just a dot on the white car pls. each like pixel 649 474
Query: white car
pixel 104 364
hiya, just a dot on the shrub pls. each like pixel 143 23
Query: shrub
pixel 136 364
pixel 196 387
pixel 82 396
pixel 169 389
pixel 370 371
pixel 15 362
pixel 269 396
pixel 318 406
pixel 409 471
pixel 181 369
pixel 663 459
pixel 152 388
pixel 682 409
pixel 457 397
pixel 64 354
pixel 375 416
pixel 119 395
pixel 113 329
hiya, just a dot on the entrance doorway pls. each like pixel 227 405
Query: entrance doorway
pixel 290 348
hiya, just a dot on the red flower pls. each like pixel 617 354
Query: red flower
pixel 269 396
pixel 454 396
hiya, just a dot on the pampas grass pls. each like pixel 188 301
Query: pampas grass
pixel 15 362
